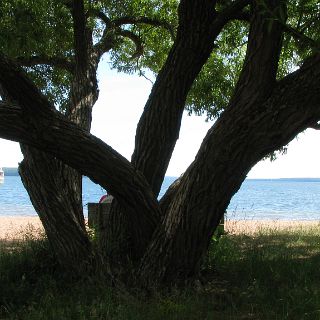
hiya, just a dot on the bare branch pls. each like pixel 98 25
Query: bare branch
pixel 142 74
pixel 145 20
pixel 59 62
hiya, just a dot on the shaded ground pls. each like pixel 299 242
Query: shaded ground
pixel 266 272
pixel 15 226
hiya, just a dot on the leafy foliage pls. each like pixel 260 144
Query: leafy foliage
pixel 301 36
pixel 44 28
pixel 38 28
pixel 156 40
pixel 213 88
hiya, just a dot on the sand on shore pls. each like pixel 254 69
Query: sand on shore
pixel 15 227
pixel 250 227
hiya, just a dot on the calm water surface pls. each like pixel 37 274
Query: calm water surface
pixel 257 199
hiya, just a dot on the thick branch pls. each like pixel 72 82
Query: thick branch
pixel 238 140
pixel 66 140
pixel 256 83
pixel 294 32
pixel 89 155
pixel 234 11
pixel 199 25
pixel 132 20
pixel 59 62
pixel 80 34
pixel 259 71
pixel 20 88
pixel 105 44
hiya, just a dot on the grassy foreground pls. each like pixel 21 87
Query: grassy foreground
pixel 272 274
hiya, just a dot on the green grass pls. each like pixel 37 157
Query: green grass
pixel 269 275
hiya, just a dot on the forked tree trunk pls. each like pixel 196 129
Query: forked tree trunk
pixel 159 126
pixel 236 142
pixel 225 157
pixel 262 116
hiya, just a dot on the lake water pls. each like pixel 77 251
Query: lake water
pixel 287 199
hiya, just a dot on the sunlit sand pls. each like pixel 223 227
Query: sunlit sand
pixel 255 226
pixel 14 227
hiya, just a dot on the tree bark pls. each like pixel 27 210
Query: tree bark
pixel 48 185
pixel 225 157
pixel 54 188
pixel 88 155
pixel 238 140
pixel 159 125
pixel 262 116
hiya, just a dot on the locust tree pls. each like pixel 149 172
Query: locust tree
pixel 254 66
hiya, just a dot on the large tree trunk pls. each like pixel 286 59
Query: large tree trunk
pixel 58 205
pixel 224 159
pixel 55 191
pixel 159 126
pixel 237 141
pixel 262 116
pixel 54 188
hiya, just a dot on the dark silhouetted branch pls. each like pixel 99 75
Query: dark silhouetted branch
pixel 59 62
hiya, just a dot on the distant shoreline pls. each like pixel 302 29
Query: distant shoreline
pixel 10 171
pixel 13 171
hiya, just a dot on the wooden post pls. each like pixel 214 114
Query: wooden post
pixel 97 214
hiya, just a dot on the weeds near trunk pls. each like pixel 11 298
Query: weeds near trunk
pixel 268 274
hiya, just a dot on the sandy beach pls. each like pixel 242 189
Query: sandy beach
pixel 250 227
pixel 15 227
